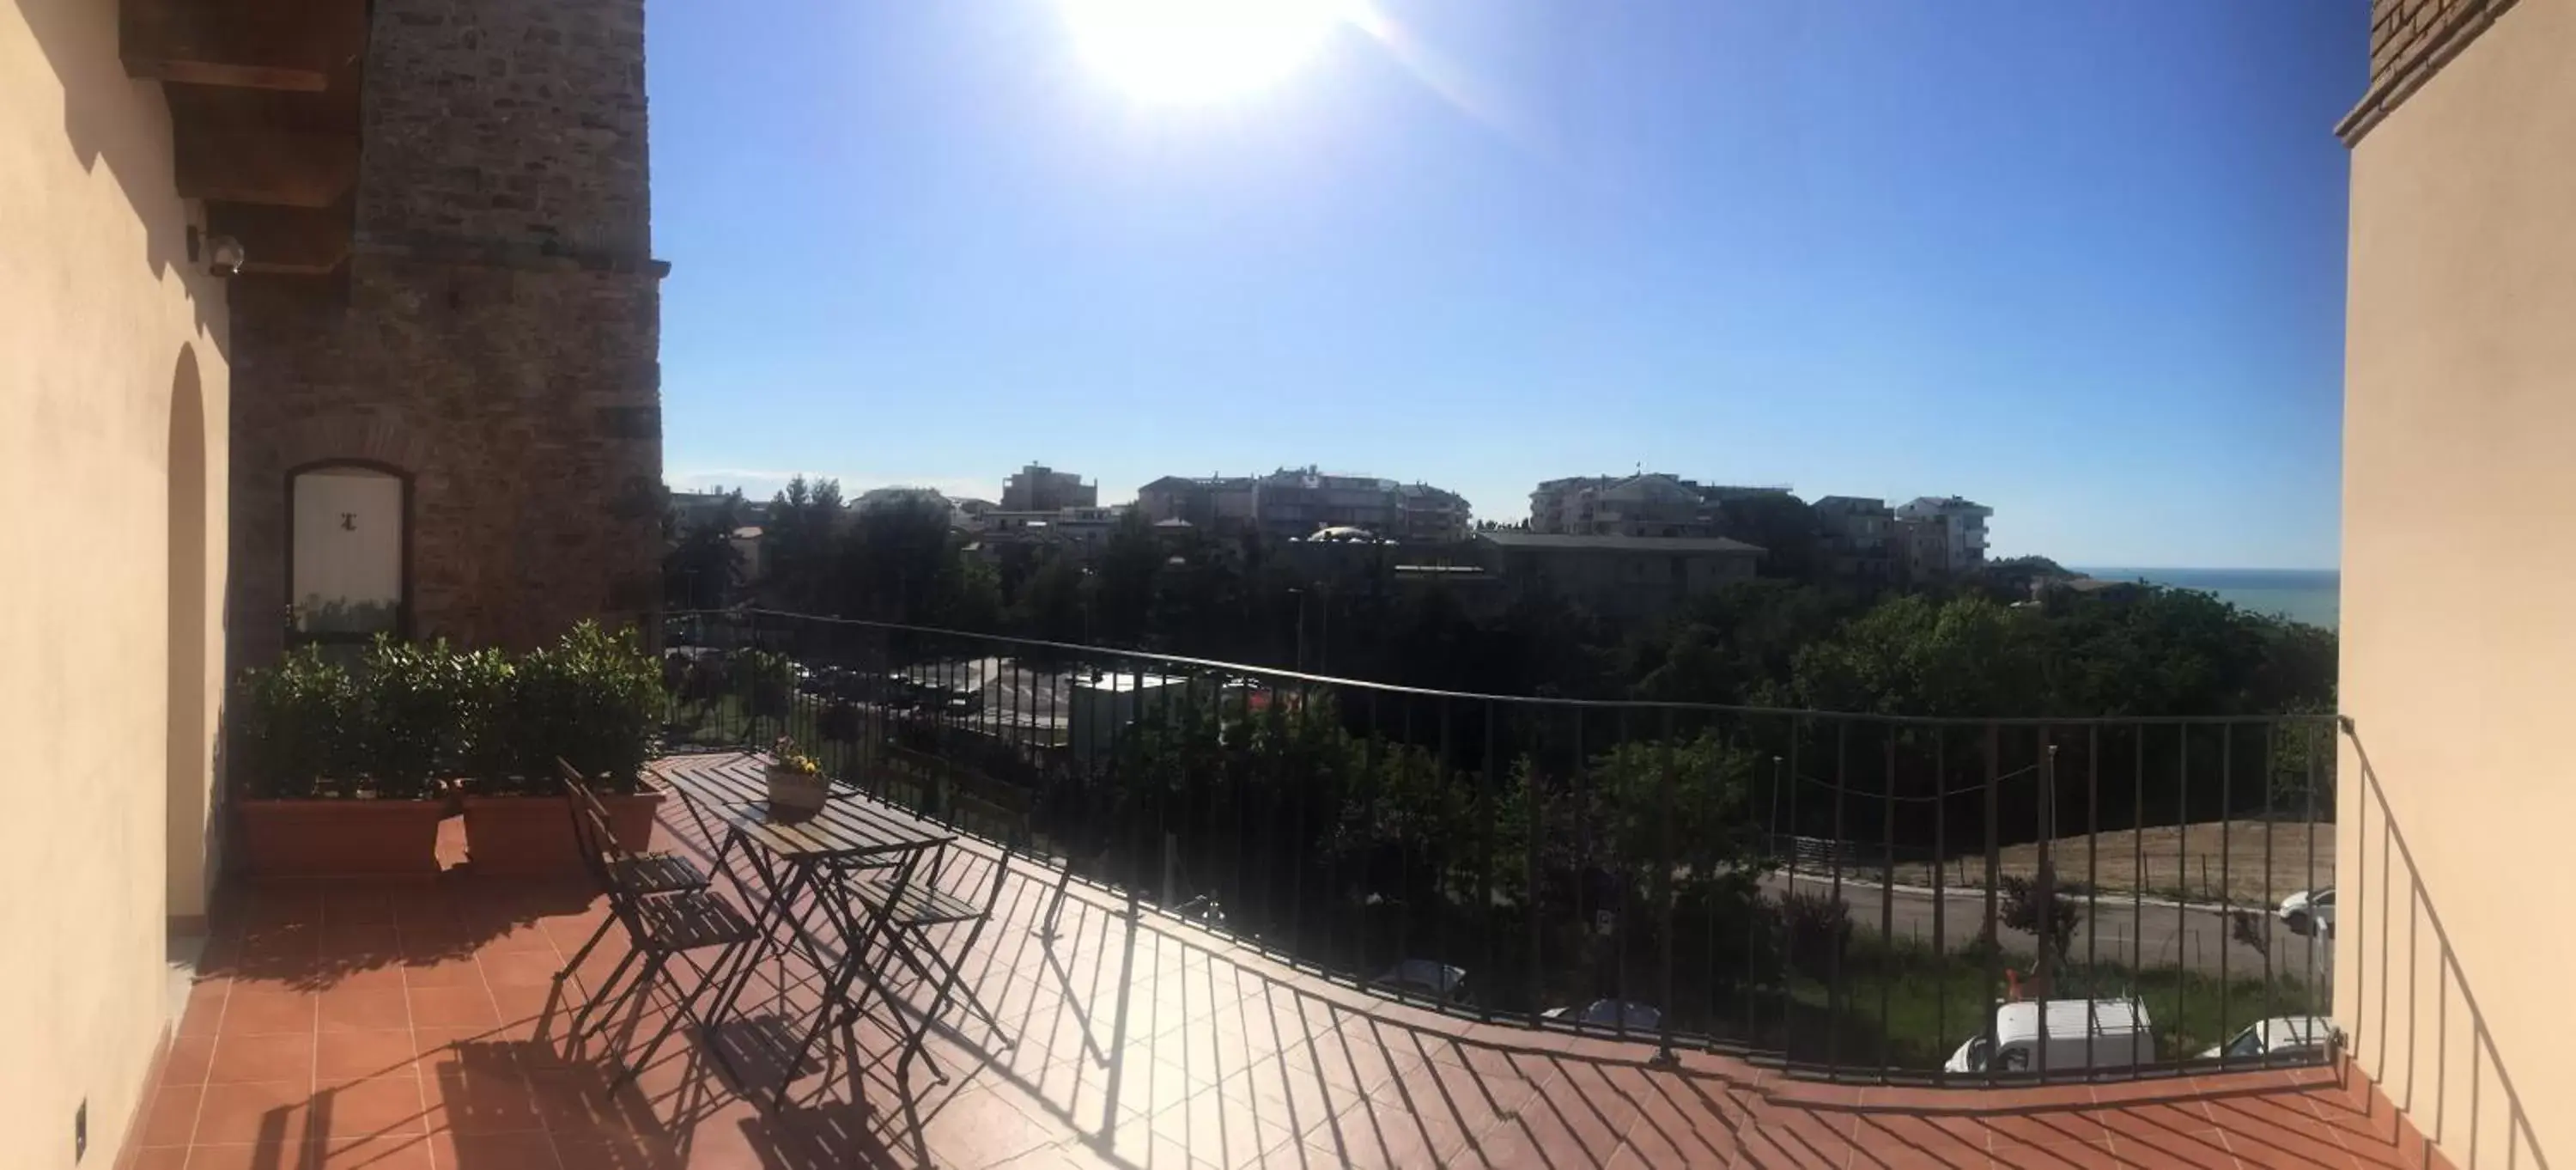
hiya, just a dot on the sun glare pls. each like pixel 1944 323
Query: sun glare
pixel 1194 50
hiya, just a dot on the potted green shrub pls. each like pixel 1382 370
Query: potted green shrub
pixel 340 767
pixel 594 700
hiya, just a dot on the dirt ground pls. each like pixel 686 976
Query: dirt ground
pixel 2189 861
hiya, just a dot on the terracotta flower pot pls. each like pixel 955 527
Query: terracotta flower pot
pixel 533 834
pixel 323 838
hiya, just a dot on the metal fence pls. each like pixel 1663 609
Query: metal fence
pixel 1850 896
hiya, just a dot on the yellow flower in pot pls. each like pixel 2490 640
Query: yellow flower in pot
pixel 796 783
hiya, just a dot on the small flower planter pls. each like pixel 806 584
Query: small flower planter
pixel 339 837
pixel 533 834
pixel 797 787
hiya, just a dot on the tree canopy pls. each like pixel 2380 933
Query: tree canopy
pixel 1976 647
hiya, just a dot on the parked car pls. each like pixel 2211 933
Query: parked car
pixel 2309 911
pixel 2282 1038
pixel 1610 1013
pixel 2080 1034
pixel 1340 534
pixel 1430 978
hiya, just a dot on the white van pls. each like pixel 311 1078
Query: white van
pixel 2080 1033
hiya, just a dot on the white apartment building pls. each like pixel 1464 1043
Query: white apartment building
pixel 1942 534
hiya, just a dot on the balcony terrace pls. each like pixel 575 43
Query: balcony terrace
pixel 1198 999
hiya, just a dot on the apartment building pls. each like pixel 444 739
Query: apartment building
pixel 1856 537
pixel 1216 503
pixel 1293 503
pixel 1081 531
pixel 1940 536
pixel 1647 504
pixel 1426 514
pixel 1039 488
pixel 1616 576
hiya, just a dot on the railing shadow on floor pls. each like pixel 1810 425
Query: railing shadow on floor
pixel 2380 1025
pixel 1217 1044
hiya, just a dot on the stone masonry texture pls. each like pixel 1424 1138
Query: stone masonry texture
pixel 494 335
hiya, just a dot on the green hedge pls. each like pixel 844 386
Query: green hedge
pixel 407 716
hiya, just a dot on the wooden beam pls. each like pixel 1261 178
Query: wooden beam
pixel 283 240
pixel 238 163
pixel 261 44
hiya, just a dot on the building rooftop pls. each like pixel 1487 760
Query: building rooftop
pixel 1549 540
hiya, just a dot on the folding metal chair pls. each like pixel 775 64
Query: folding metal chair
pixel 646 874
pixel 912 911
pixel 659 927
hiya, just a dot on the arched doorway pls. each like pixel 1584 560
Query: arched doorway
pixel 192 814
pixel 348 552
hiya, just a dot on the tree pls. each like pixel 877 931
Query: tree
pixel 1123 599
pixel 1782 525
pixel 798 546
pixel 1199 602
pixel 2011 578
pixel 1050 604
pixel 902 562
pixel 1915 656
pixel 1736 645
pixel 702 569
pixel 2052 920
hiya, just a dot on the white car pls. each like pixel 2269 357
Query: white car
pixel 2279 1038
pixel 1610 1013
pixel 2309 912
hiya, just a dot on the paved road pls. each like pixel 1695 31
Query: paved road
pixel 2111 928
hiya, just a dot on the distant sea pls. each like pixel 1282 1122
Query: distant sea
pixel 2314 596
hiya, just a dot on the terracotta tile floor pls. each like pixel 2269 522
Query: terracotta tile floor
pixel 416 1025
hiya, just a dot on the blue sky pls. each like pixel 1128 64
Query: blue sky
pixel 2081 262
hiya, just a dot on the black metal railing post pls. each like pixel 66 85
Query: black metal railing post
pixel 1837 996
pixel 1887 899
pixel 2093 882
pixel 1941 889
pixel 2044 880
pixel 1534 812
pixel 2226 894
pixel 1666 1005
pixel 1483 919
pixel 1991 941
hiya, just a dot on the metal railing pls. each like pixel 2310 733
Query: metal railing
pixel 1849 896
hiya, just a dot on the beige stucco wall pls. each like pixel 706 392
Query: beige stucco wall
pixel 100 318
pixel 2459 644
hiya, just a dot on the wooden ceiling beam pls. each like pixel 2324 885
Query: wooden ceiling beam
pixel 249 163
pixel 260 44
pixel 283 240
